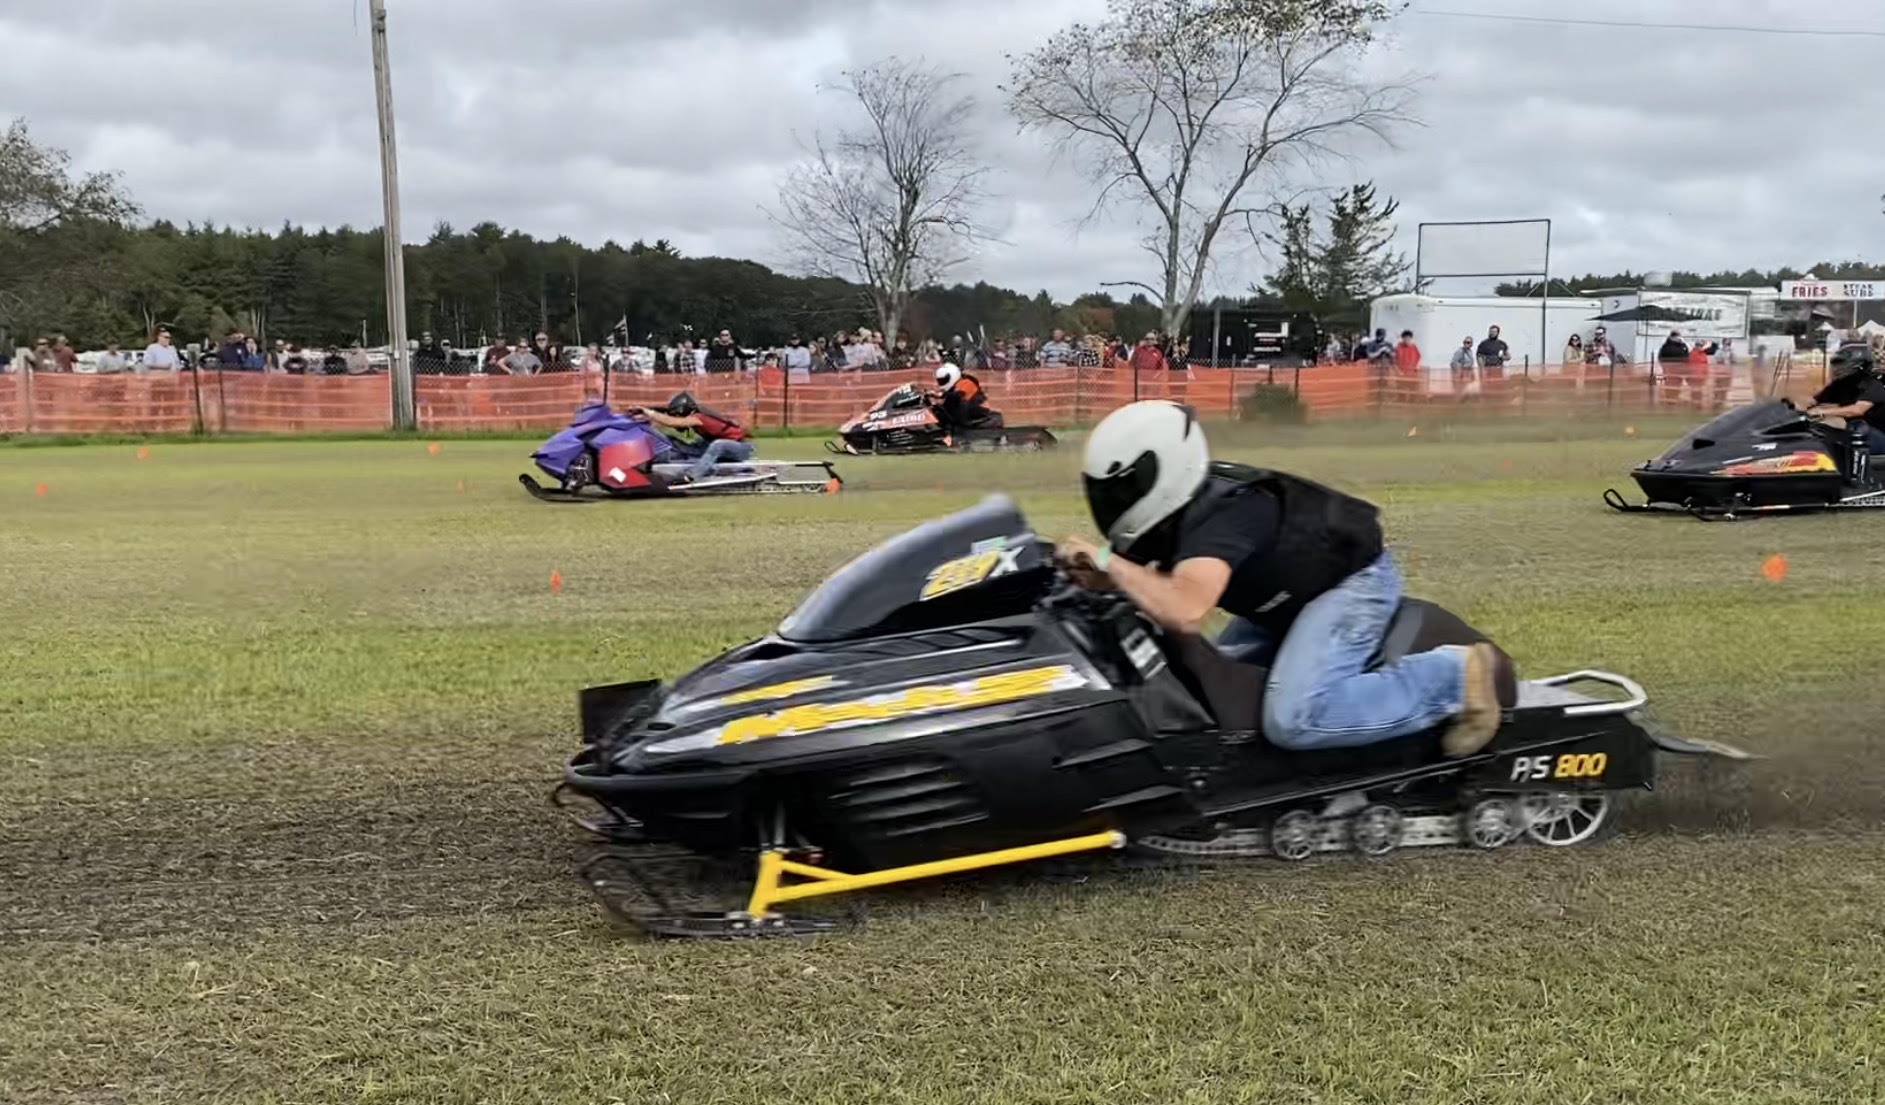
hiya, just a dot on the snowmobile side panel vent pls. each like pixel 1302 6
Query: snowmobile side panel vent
pixel 908 798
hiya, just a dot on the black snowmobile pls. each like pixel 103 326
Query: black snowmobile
pixel 1767 457
pixel 949 701
pixel 905 421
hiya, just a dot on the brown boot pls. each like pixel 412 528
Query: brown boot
pixel 1478 720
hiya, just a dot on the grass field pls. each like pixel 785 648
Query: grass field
pixel 277 721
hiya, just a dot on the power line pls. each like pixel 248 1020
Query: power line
pixel 1559 21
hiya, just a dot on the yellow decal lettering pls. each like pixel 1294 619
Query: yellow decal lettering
pixel 778 690
pixel 1581 766
pixel 989 689
pixel 957 574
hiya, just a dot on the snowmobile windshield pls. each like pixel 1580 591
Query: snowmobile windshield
pixel 903 398
pixel 1754 420
pixel 977 564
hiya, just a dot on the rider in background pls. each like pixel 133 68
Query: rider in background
pixel 962 402
pixel 724 441
pixel 1855 392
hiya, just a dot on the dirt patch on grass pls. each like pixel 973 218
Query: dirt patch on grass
pixel 89 869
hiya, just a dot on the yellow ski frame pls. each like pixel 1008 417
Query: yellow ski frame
pixel 770 889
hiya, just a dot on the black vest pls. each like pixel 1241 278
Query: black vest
pixel 1322 538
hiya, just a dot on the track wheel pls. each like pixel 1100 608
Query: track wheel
pixel 1376 830
pixel 1490 823
pixel 1295 835
pixel 1564 818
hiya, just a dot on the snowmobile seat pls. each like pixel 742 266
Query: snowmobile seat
pixel 1233 690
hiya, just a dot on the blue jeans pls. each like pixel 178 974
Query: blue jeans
pixel 1874 439
pixel 1321 695
pixel 720 451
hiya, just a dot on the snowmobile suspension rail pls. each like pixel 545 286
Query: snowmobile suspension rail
pixel 769 889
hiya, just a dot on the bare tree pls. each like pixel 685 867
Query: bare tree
pixel 1198 112
pixel 890 204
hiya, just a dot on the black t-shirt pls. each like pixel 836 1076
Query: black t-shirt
pixel 1239 528
pixel 1860 387
pixel 1493 352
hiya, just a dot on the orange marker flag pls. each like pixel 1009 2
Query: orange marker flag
pixel 39 489
pixel 1629 431
pixel 1413 431
pixel 143 453
pixel 556 582
pixel 461 485
pixel 1774 568
pixel 433 448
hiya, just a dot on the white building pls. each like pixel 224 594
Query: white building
pixel 1536 330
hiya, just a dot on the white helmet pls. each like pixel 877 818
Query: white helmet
pixel 1144 463
pixel 947 375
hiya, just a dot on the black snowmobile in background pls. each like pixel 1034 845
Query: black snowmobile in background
pixel 950 701
pixel 1769 456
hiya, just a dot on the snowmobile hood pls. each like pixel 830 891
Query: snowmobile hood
pixel 1768 438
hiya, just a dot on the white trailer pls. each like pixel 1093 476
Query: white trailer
pixel 1534 331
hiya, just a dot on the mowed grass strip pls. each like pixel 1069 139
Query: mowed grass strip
pixel 274 716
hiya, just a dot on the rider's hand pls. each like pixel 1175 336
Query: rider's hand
pixel 1080 558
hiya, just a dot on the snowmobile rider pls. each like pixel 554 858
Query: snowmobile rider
pixel 724 441
pixel 962 402
pixel 1855 392
pixel 1301 569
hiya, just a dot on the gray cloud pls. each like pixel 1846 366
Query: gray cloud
pixel 656 118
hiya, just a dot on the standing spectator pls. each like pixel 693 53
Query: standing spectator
pixel 902 358
pixel 39 358
pixel 64 357
pixel 111 361
pixel 430 359
pixel 229 353
pixel 6 360
pixel 160 355
pixel 1672 360
pixel 1057 352
pixel 549 353
pixel 1146 357
pixel 355 361
pixel 1378 349
pixel 592 358
pixel 1493 355
pixel 522 361
pixel 857 355
pixel 252 360
pixel 494 356
pixel 277 357
pixel 1674 350
pixel 1599 350
pixel 722 354
pixel 294 361
pixel 1574 356
pixel 1463 365
pixel 1407 357
pixel 797 359
pixel 1025 355
pixel 333 362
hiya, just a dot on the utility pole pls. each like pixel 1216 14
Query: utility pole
pixel 404 415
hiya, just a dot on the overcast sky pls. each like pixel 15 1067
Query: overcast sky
pixel 625 119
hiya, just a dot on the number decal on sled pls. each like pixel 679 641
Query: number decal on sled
pixel 1572 765
pixel 970 570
